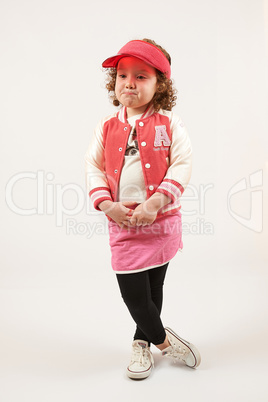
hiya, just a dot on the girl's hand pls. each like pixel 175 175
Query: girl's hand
pixel 118 211
pixel 146 213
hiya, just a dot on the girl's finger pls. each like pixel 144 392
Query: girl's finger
pixel 133 221
pixel 126 223
pixel 129 203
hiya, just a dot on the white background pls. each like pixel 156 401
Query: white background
pixel 65 332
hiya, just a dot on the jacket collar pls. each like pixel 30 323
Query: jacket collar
pixel 122 114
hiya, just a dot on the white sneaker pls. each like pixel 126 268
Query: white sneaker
pixel 142 360
pixel 180 349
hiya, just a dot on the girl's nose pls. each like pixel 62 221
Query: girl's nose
pixel 130 83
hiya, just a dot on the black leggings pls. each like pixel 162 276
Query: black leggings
pixel 142 292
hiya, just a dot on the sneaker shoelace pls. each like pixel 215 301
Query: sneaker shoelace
pixel 140 354
pixel 177 352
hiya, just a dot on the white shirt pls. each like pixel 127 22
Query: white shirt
pixel 131 185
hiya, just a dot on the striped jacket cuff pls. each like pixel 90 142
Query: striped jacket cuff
pixel 171 188
pixel 98 195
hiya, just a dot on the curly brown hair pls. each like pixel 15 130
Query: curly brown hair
pixel 164 97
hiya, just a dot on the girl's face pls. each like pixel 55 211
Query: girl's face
pixel 135 84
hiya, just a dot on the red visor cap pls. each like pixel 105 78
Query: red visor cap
pixel 145 51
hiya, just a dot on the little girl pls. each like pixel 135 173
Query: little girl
pixel 138 165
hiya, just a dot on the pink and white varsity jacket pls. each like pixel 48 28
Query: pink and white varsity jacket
pixel 165 153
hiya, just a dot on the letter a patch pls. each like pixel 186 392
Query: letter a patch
pixel 161 136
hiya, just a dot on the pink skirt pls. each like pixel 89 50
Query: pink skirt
pixel 139 248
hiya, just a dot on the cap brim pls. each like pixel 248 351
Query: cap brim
pixel 112 62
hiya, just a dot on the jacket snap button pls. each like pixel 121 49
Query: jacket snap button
pixel 115 171
pixel 125 128
pixel 141 124
pixel 143 144
pixel 120 149
pixel 151 187
pixel 147 165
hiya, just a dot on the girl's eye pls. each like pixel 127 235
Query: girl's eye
pixel 139 77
